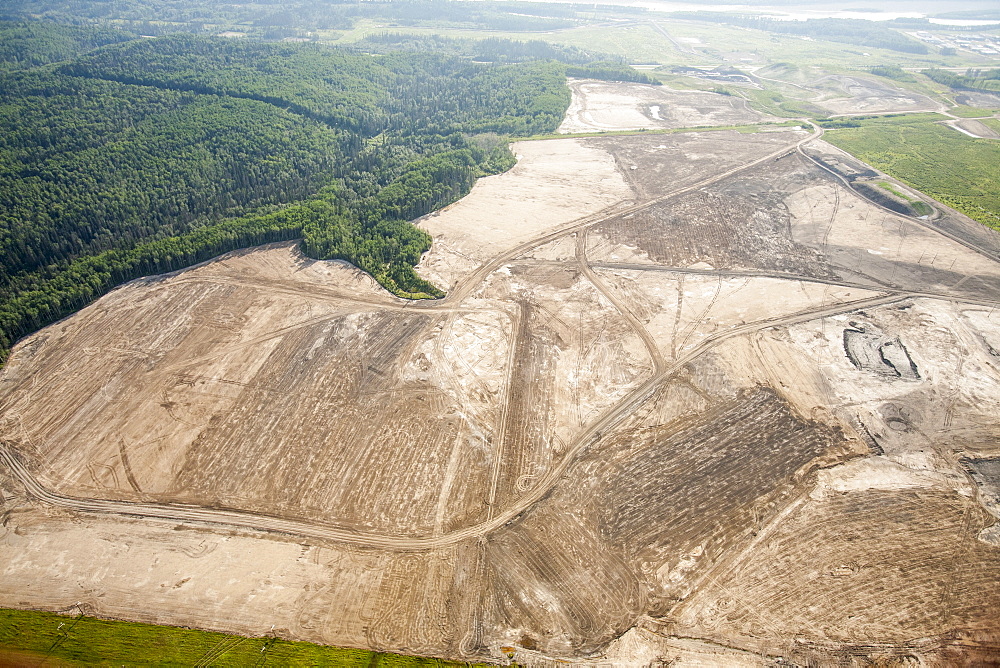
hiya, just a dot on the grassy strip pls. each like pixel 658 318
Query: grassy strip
pixel 971 112
pixel 745 129
pixel 992 123
pixel 28 636
pixel 921 208
pixel 955 169
pixel 775 103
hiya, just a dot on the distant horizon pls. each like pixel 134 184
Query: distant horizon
pixel 804 9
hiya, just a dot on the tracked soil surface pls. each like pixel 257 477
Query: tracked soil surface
pixel 602 105
pixel 690 398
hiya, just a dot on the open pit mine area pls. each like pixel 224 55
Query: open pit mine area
pixel 690 399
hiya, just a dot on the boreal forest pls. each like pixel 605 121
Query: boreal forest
pixel 125 156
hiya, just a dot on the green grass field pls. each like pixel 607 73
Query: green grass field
pixel 992 123
pixel 33 638
pixel 971 112
pixel 921 208
pixel 701 44
pixel 955 169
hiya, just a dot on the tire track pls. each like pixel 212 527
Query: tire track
pixel 173 512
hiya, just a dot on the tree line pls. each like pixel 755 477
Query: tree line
pixel 152 155
pixel 973 79
pixel 27 44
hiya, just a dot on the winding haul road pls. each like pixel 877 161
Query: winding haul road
pixel 662 370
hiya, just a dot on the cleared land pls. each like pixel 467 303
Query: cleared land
pixel 554 183
pixel 690 397
pixel 977 129
pixel 599 105
pixel 842 95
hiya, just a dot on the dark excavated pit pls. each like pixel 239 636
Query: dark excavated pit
pixel 899 417
pixel 873 351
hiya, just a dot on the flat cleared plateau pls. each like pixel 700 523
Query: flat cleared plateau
pixel 600 105
pixel 690 399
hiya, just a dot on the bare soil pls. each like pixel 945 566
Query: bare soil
pixel 637 430
pixel 554 183
pixel 856 95
pixel 977 129
pixel 602 105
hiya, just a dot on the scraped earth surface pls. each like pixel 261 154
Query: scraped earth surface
pixel 690 400
pixel 977 128
pixel 602 105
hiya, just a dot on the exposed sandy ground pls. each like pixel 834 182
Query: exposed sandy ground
pixel 658 164
pixel 869 241
pixel 600 105
pixel 976 129
pixel 742 415
pixel 553 183
pixel 978 99
pixel 680 310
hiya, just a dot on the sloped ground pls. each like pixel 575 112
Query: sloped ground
pixel 633 431
pixel 856 95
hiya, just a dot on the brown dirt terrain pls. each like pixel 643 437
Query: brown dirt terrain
pixel 977 128
pixel 602 105
pixel 718 409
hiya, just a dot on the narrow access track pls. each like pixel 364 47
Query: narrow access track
pixel 471 282
pixel 654 350
pixel 992 255
pixel 172 512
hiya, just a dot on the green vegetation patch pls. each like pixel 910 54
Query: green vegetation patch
pixel 770 101
pixel 955 169
pixel 992 123
pixel 154 154
pixel 25 44
pixel 881 119
pixel 971 112
pixel 973 79
pixel 31 637
pixel 894 72
pixel 919 207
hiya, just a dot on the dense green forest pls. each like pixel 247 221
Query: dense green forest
pixel 151 155
pixel 90 165
pixel 579 63
pixel 274 20
pixel 25 44
pixel 402 91
pixel 490 49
